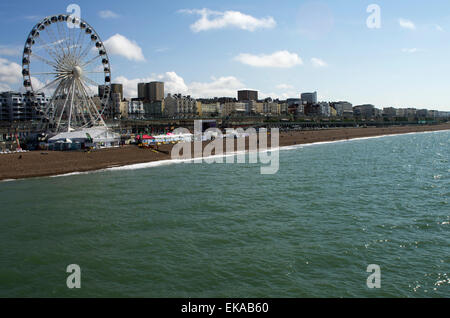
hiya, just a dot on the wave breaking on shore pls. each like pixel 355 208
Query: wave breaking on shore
pixel 154 164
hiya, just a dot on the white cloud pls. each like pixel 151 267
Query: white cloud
pixel 406 24
pixel 10 72
pixel 161 49
pixel 130 85
pixel 11 77
pixel 218 87
pixel 35 18
pixel 284 91
pixel 316 62
pixel 7 50
pixel 225 86
pixel 4 87
pixel 279 59
pixel 439 28
pixel 120 45
pixel 411 50
pixel 277 95
pixel 284 86
pixel 173 83
pixel 108 14
pixel 210 20
pixel 37 84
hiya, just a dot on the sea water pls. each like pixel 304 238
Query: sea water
pixel 218 230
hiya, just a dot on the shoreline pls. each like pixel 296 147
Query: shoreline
pixel 35 164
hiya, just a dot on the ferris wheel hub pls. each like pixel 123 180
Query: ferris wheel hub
pixel 77 72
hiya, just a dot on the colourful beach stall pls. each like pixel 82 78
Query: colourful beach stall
pixel 164 139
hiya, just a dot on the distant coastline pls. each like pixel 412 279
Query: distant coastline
pixel 49 163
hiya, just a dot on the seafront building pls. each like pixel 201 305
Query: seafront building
pixel 256 107
pixel 180 106
pixel 389 112
pixel 154 109
pixel 295 106
pixel 151 103
pixel 321 109
pixel 333 112
pixel 406 112
pixel 136 109
pixel 241 108
pixel 151 92
pixel 228 108
pixel 309 98
pixel 15 106
pixel 343 109
pixel 422 113
pixel 247 95
pixel 115 108
pixel 325 109
pixel 271 107
pixel 364 111
pixel 209 109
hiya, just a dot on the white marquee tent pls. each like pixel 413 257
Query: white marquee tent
pixel 98 137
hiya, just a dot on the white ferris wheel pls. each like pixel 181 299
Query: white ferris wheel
pixel 65 59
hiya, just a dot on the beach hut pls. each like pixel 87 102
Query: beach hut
pixel 148 140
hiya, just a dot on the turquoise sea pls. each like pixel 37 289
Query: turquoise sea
pixel 216 230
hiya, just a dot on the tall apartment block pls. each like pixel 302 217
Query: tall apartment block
pixel 151 92
pixel 309 98
pixel 247 95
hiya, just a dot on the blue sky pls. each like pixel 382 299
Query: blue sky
pixel 280 48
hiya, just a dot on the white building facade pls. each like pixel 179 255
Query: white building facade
pixel 180 106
